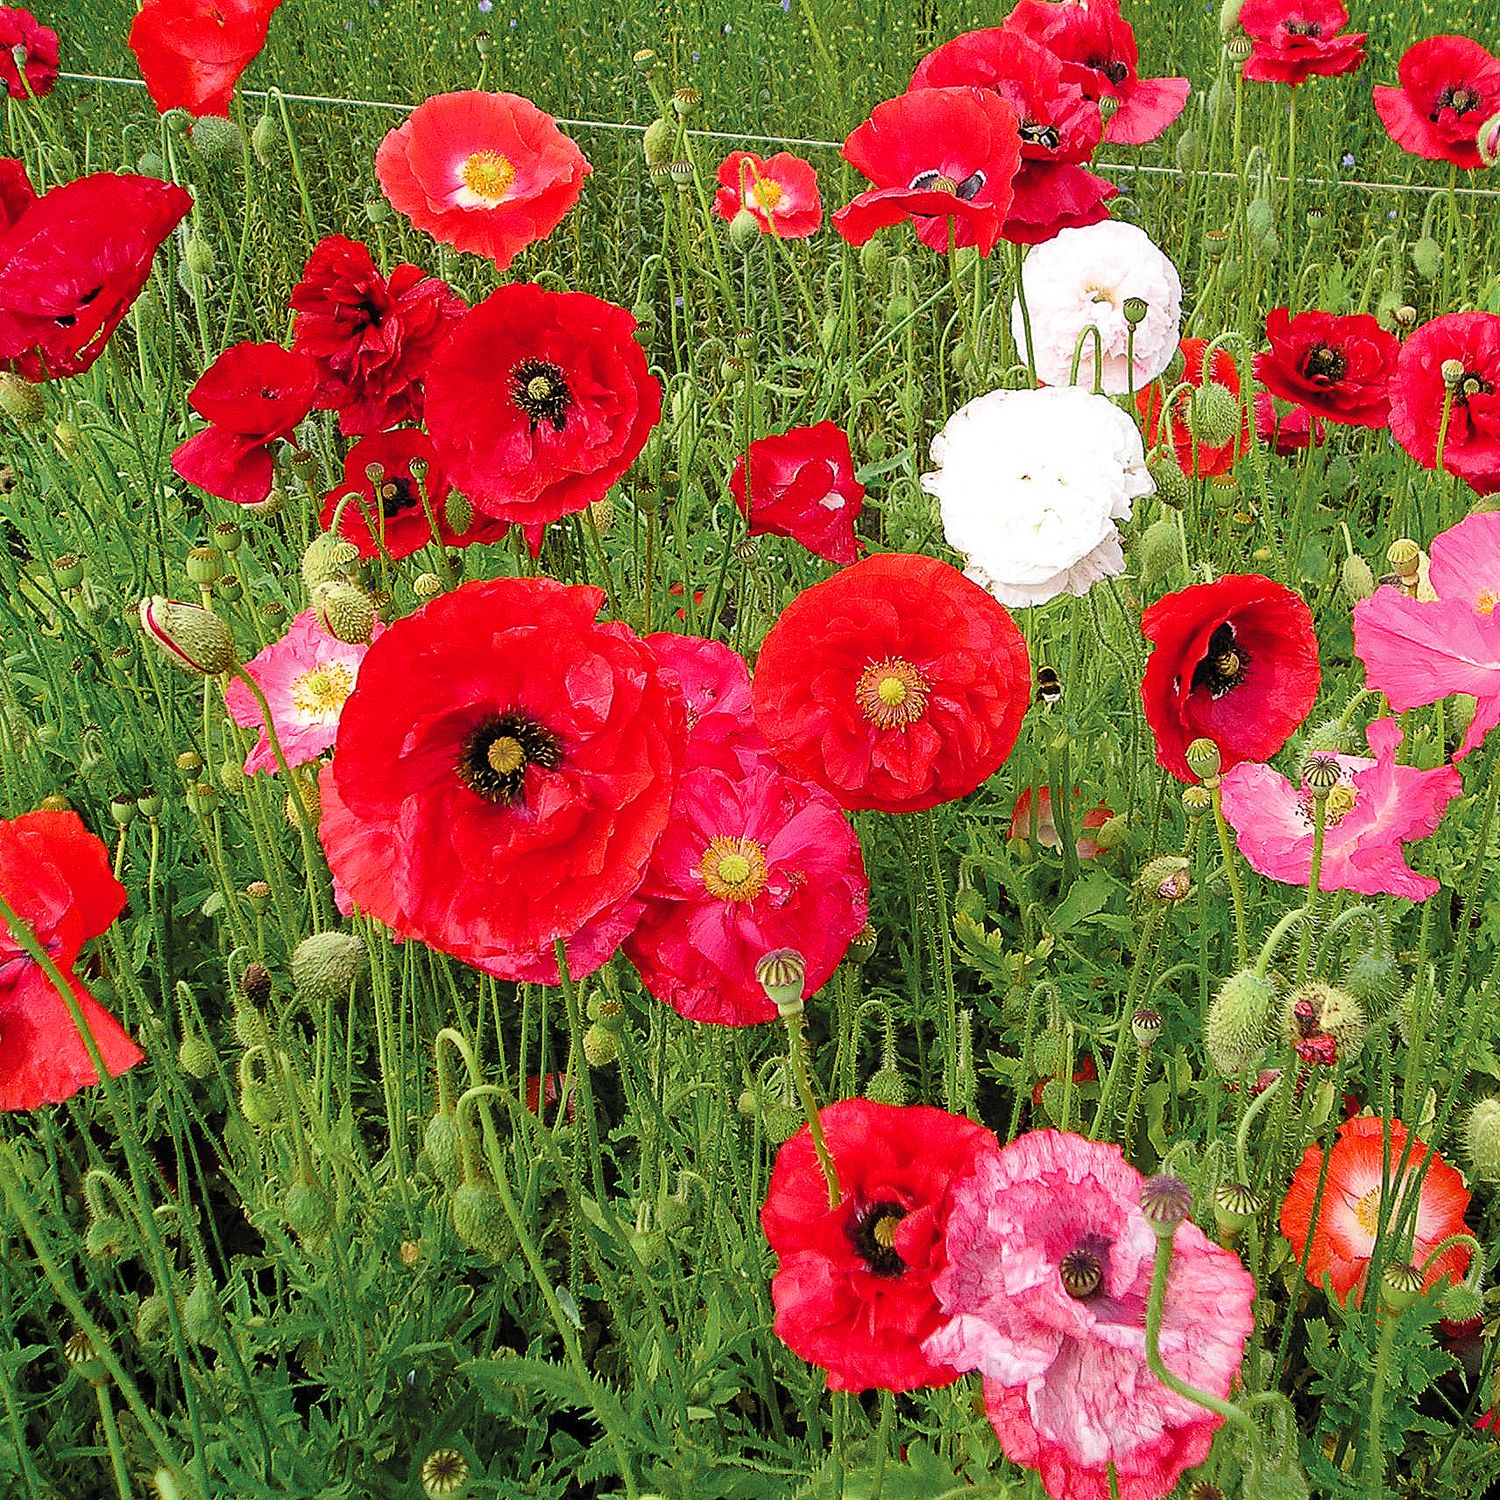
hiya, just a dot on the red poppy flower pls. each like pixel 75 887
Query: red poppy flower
pixel 781 193
pixel 251 396
pixel 72 262
pixel 1339 367
pixel 1450 86
pixel 1286 432
pixel 370 338
pixel 499 732
pixel 802 486
pixel 749 863
pixel 853 1287
pixel 35 73
pixel 897 684
pixel 1235 662
pixel 944 158
pixel 191 52
pixel 16 191
pixel 1362 1172
pixel 539 401
pixel 55 875
pixel 715 686
pixel 486 173
pixel 1060 126
pixel 1094 35
pixel 545 1091
pixel 1211 458
pixel 1471 445
pixel 1291 40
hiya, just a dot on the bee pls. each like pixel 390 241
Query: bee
pixel 1048 687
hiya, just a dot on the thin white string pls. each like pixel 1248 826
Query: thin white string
pixel 792 140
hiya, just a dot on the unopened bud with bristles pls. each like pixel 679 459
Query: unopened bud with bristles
pixel 1482 1140
pixel 347 613
pixel 1236 1030
pixel 1213 414
pixel 195 639
pixel 1166 880
pixel 327 965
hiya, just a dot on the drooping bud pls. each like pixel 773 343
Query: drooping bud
pixel 659 143
pixel 440 1142
pixel 20 400
pixel 479 1220
pixel 195 1057
pixel 1159 551
pixel 1357 578
pixel 329 559
pixel 1213 414
pixel 268 140
pixel 327 965
pixel 1427 257
pixel 886 1086
pixel 345 612
pixel 744 232
pixel 1482 1139
pixel 1236 1029
pixel 600 1046
pixel 1166 880
pixel 308 1211
pixel 216 140
pixel 196 639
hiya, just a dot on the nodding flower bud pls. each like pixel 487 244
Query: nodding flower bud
pixel 1482 1139
pixel 659 143
pixel 327 965
pixel 1213 415
pixel 329 559
pixel 1166 880
pixel 1357 578
pixel 782 974
pixel 1165 1202
pixel 744 231
pixel 1204 761
pixel 1488 141
pixel 193 637
pixel 1237 1028
pixel 345 612
pixel 215 140
pixel 20 400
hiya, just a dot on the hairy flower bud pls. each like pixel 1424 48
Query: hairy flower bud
pixel 1482 1139
pixel 327 965
pixel 345 612
pixel 196 639
pixel 1213 414
pixel 1236 1029
pixel 480 1221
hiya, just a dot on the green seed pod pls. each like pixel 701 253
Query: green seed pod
pixel 377 211
pixel 327 965
pixel 308 1211
pixel 1237 1029
pixel 480 1223
pixel 329 559
pixel 200 1313
pixel 1482 1140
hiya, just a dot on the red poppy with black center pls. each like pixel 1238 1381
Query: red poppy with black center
pixel 73 261
pixel 944 158
pixel 28 54
pixel 370 338
pixel 1234 661
pixel 1337 366
pixel 1060 126
pixel 1094 35
pixel 853 1286
pixel 191 52
pixel 1195 456
pixel 1450 85
pixel 55 875
pixel 802 486
pixel 539 401
pixel 1420 395
pixel 252 396
pixel 1293 40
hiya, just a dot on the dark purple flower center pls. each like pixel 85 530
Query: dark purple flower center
pixel 1324 362
pixel 1081 1270
pixel 539 389
pixel 494 757
pixel 397 495
pixel 1304 28
pixel 1037 134
pixel 1112 68
pixel 1457 97
pixel 872 1232
pixel 1224 664
pixel 933 181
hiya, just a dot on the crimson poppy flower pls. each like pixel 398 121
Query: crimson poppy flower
pixel 539 401
pixel 499 732
pixel 544 1091
pixel 853 1289
pixel 251 396
pixel 55 875
pixel 16 191
pixel 1450 86
pixel 1292 40
pixel 191 52
pixel 943 158
pixel 73 261
pixel 715 685
pixel 897 684
pixel 486 173
pixel 1060 125
pixel 1471 445
pixel 21 34
pixel 1234 661
pixel 802 486
pixel 1211 458
pixel 1339 367
pixel 1094 35
pixel 780 193
pixel 370 337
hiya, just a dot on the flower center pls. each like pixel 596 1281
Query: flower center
pixel 1081 1272
pixel 892 693
pixel 538 388
pixel 1304 28
pixel 1323 362
pixel 939 182
pixel 1457 98
pixel 1341 801
pixel 1036 134
pixel 495 756
pixel 767 193
pixel 398 495
pixel 1485 602
pixel 1470 384
pixel 1225 664
pixel 872 1232
pixel 733 869
pixel 487 174
pixel 320 692
pixel 1367 1211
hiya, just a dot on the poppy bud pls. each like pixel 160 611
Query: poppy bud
pixel 1324 1009
pixel 1357 578
pixel 19 400
pixel 440 1142
pixel 874 259
pixel 308 1211
pixel 105 1239
pixel 329 559
pixel 259 1104
pixel 345 612
pixel 780 1121
pixel 195 1057
pixel 1372 978
pixel 215 141
pixel 1213 414
pixel 268 140
pixel 1171 483
pixel 1159 551
pixel 744 231
pixel 458 512
pixel 1189 150
pixel 312 799
pixel 886 1086
pixel 1427 257
pixel 200 1310
pixel 600 1046
pixel 1260 217
pixel 327 965
pixel 1166 880
pixel 198 256
pixel 153 164
pixel 1229 19
pixel 659 142
pixel 151 1317
pixel 1236 1029
pixel 1488 141
pixel 479 1220
pixel 1482 1139
pixel 193 637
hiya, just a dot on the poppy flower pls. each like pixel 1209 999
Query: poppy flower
pixel 1194 456
pixel 715 685
pixel 1040 826
pixel 1363 1171
pixel 751 861
pixel 779 192
pixel 1375 808
pixel 28 54
pixel 1449 87
pixel 539 401
pixel 897 684
pixel 853 1289
pixel 1292 40
pixel 73 261
pixel 191 52
pixel 1337 366
pixel 545 1091
pixel 486 173
pixel 802 486
pixel 943 158
pixel 1234 661
pixel 1286 432
pixel 370 337
pixel 1093 35
pixel 1049 1272
pixel 251 396
pixel 55 875
pixel 1419 393
pixel 500 732
pixel 1060 125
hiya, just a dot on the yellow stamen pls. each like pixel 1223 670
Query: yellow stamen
pixel 320 692
pixel 1367 1211
pixel 487 174
pixel 733 869
pixel 1486 602
pixel 767 193
pixel 892 693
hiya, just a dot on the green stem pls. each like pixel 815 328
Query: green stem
pixel 1231 871
pixel 796 1051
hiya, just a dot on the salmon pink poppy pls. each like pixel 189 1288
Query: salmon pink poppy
pixel 55 875
pixel 1293 40
pixel 1194 456
pixel 191 52
pixel 1339 366
pixel 1032 819
pixel 802 486
pixel 715 685
pixel 1449 86
pixel 853 1289
pixel 28 54
pixel 1420 395
pixel 897 684
pixel 486 173
pixel 780 193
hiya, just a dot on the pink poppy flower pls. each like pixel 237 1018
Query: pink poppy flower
pixel 1050 1262
pixel 715 685
pixel 306 676
pixel 1376 807
pixel 1416 652
pixel 1042 829
pixel 780 192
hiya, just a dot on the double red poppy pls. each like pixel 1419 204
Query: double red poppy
pixel 1337 366
pixel 1449 86
pixel 1293 40
pixel 28 54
